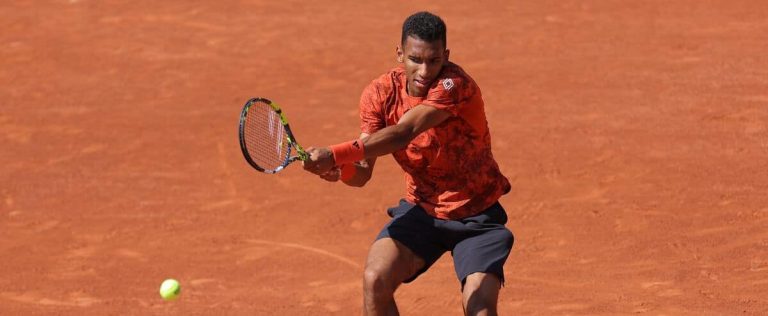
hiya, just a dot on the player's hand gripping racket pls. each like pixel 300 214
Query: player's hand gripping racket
pixel 266 138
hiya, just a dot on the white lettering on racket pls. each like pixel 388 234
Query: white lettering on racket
pixel 271 123
pixel 280 143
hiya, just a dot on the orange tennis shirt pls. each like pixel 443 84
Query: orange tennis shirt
pixel 449 169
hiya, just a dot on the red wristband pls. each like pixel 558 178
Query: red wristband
pixel 348 152
pixel 348 171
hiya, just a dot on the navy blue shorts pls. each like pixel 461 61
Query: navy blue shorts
pixel 479 243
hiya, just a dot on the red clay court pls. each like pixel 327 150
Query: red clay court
pixel 635 135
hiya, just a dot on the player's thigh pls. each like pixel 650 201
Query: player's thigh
pixel 486 253
pixel 390 259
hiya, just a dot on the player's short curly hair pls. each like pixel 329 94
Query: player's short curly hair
pixel 424 26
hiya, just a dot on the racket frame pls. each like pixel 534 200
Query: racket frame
pixel 300 153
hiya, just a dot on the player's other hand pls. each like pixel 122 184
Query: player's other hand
pixel 333 175
pixel 320 161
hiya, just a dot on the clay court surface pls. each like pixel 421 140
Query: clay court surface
pixel 635 134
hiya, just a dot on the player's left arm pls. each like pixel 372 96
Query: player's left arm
pixel 395 137
pixel 385 141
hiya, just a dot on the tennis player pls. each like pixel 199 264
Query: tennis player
pixel 429 114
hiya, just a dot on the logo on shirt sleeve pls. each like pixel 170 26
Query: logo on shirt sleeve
pixel 447 84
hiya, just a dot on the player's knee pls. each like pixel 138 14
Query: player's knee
pixel 480 307
pixel 481 293
pixel 377 282
pixel 480 302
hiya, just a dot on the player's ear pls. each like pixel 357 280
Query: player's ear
pixel 399 51
pixel 446 54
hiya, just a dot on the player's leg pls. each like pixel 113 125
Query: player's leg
pixel 479 259
pixel 389 264
pixel 406 247
pixel 479 263
pixel 480 294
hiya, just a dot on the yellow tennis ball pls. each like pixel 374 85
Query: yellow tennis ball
pixel 170 289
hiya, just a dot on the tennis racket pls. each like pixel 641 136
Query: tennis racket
pixel 266 138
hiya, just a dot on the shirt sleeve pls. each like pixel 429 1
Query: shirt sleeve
pixel 450 94
pixel 371 116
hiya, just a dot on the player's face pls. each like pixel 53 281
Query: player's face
pixel 423 62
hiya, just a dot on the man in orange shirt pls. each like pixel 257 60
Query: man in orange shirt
pixel 429 114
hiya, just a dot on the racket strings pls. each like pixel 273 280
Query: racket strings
pixel 265 137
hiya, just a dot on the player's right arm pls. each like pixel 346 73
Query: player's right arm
pixel 363 171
